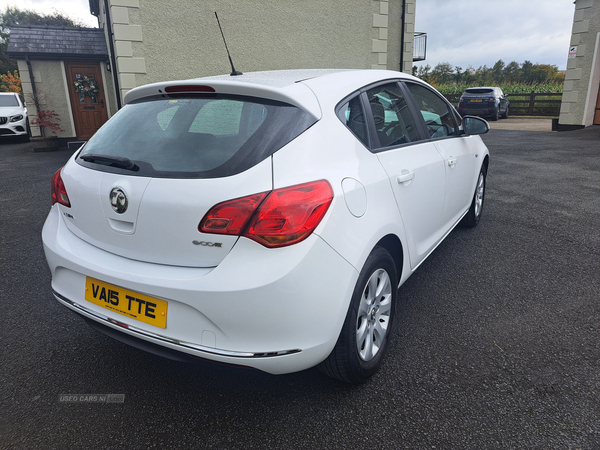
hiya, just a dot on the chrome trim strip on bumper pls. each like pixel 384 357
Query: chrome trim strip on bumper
pixel 228 353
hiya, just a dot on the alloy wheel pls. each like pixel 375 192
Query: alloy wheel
pixel 373 316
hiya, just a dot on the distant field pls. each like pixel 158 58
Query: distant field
pixel 525 99
pixel 510 88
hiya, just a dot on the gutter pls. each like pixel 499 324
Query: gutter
pixel 32 81
pixel 403 21
pixel 34 90
pixel 113 61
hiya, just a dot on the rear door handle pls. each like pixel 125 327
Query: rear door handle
pixel 406 177
pixel 452 161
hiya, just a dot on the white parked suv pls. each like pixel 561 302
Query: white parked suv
pixel 13 116
pixel 263 220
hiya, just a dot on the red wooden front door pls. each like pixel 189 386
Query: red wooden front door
pixel 87 98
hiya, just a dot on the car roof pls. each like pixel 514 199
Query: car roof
pixel 309 89
pixel 277 78
pixel 482 87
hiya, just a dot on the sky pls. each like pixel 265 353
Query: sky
pixel 460 32
pixel 75 9
pixel 480 32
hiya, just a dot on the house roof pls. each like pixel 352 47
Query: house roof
pixel 45 42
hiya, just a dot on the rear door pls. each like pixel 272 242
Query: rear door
pixel 142 184
pixel 415 169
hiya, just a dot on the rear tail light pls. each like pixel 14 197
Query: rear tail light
pixel 278 218
pixel 232 216
pixel 59 192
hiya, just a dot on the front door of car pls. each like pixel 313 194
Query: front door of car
pixel 415 169
pixel 460 163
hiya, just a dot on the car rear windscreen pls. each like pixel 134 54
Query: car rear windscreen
pixel 479 91
pixel 193 136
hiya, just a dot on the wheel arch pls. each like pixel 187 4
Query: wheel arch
pixel 393 245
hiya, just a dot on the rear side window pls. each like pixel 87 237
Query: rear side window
pixel 352 115
pixel 394 123
pixel 202 136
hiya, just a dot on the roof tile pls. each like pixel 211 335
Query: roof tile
pixel 56 41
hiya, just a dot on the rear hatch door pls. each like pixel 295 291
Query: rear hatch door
pixel 140 187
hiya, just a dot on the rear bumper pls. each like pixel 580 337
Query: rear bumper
pixel 477 111
pixel 278 310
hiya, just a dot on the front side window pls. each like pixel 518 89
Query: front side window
pixel 193 136
pixel 435 111
pixel 394 124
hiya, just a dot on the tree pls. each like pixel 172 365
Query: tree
pixel 543 72
pixel 458 74
pixel 10 82
pixel 15 16
pixel 484 75
pixel 443 73
pixel 424 72
pixel 526 70
pixel 498 71
pixel 511 71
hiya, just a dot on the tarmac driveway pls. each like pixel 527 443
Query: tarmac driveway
pixel 497 345
pixel 522 123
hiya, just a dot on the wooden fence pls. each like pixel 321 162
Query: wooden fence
pixel 528 104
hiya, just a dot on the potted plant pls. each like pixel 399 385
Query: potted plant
pixel 46 119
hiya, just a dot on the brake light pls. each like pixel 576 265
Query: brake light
pixel 231 217
pixel 278 218
pixel 59 192
pixel 188 88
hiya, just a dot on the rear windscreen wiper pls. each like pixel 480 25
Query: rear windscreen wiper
pixel 116 161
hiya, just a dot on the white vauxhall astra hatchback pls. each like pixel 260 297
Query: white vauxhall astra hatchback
pixel 263 220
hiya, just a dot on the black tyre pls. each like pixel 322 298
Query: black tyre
pixel 474 214
pixel 505 114
pixel 496 114
pixel 25 137
pixel 365 335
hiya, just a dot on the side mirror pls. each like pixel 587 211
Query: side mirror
pixel 475 125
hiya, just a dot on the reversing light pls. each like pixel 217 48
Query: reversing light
pixel 188 88
pixel 278 218
pixel 59 192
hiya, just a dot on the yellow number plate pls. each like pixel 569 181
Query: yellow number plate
pixel 123 301
pixel 476 100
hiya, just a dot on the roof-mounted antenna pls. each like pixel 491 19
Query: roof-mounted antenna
pixel 233 71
